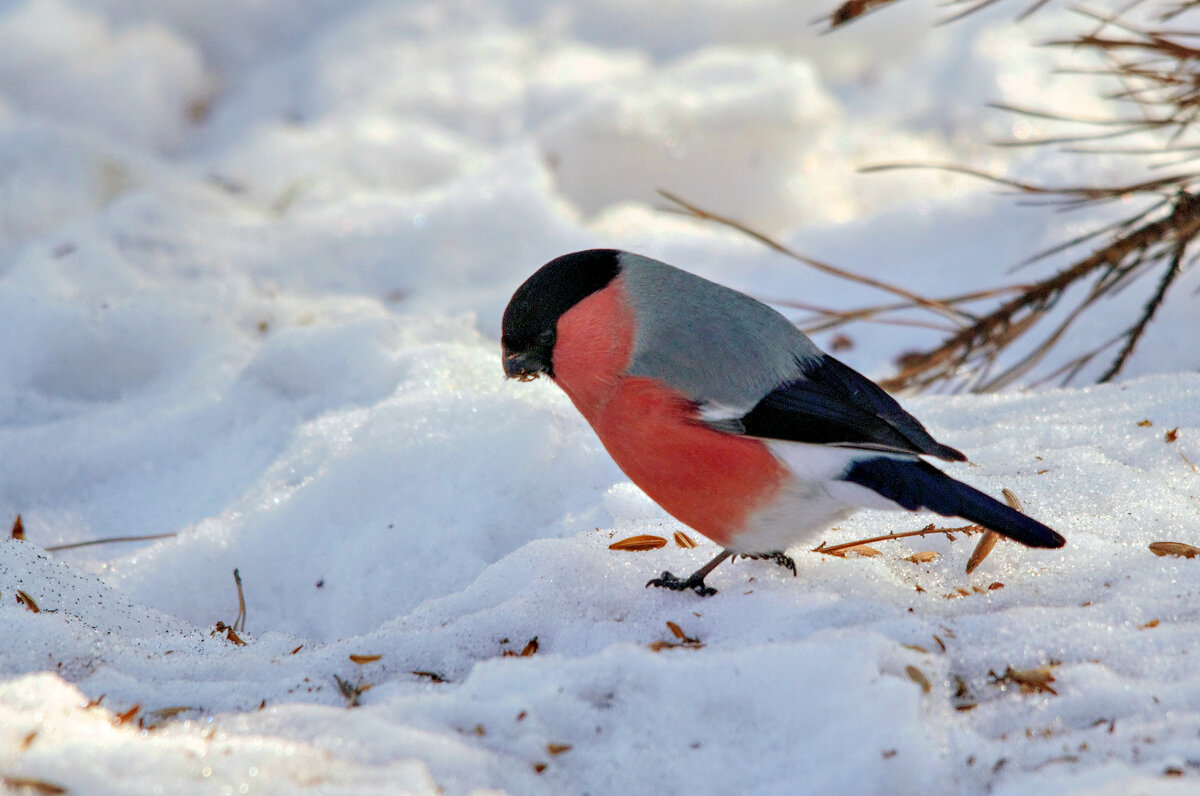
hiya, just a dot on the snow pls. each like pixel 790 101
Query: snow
pixel 252 262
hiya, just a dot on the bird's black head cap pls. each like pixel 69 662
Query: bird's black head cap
pixel 528 328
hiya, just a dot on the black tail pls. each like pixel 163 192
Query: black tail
pixel 916 484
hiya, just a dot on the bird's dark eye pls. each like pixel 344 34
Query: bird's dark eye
pixel 546 338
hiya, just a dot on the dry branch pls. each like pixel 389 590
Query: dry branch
pixel 978 346
pixel 1157 72
pixel 926 531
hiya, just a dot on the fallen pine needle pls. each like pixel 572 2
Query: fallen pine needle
pixel 361 659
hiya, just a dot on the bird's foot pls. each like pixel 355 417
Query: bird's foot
pixel 695 582
pixel 778 556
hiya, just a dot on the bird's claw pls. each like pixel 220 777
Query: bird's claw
pixel 778 556
pixel 669 581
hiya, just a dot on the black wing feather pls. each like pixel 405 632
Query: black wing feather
pixel 832 404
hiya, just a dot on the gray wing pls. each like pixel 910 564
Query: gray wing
pixel 750 371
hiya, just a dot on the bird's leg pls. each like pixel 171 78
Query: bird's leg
pixel 778 556
pixel 695 581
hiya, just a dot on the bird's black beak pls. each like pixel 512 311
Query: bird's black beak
pixel 524 365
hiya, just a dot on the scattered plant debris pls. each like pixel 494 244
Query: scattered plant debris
pixel 531 647
pixel 682 640
pixel 863 550
pixel 1030 681
pixel 684 541
pixel 433 677
pixel 918 677
pixel 230 634
pixel 24 599
pixel 352 693
pixel 1179 549
pixel 127 716
pixel 990 537
pixel 638 544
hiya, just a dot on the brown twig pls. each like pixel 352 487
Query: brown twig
pixel 926 531
pixel 850 10
pixel 108 540
pixel 981 343
pixel 1134 334
pixel 706 215
pixel 833 318
pixel 1158 72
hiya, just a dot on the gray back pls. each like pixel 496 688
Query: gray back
pixel 712 343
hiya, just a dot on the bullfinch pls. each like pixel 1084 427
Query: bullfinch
pixel 724 413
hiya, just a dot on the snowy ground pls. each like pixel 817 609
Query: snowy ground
pixel 252 261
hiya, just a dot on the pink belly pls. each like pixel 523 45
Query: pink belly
pixel 709 480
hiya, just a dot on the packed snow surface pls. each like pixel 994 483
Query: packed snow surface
pixel 253 257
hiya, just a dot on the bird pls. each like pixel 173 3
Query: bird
pixel 725 414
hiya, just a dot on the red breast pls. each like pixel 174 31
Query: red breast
pixel 711 481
